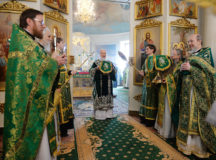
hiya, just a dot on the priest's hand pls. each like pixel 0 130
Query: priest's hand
pixel 72 72
pixel 61 59
pixel 185 66
pixel 141 73
pixel 58 90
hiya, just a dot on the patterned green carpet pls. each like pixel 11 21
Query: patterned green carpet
pixel 68 148
pixel 122 94
pixel 121 142
pixel 121 138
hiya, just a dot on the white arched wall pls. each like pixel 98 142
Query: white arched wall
pixel 208 31
pixel 108 39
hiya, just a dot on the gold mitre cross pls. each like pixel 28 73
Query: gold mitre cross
pixel 179 45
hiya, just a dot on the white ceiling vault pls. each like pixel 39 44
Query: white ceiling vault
pixel 118 1
pixel 112 16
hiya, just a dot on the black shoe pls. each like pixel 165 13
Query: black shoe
pixel 64 135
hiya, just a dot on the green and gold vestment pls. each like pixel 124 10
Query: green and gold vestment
pixel 30 76
pixel 200 84
pixel 151 67
pixel 167 88
pixel 103 87
pixel 65 105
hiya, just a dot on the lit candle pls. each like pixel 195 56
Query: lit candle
pixel 55 39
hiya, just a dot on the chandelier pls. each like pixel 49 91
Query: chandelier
pixel 85 11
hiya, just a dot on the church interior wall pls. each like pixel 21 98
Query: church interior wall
pixel 107 39
pixel 208 23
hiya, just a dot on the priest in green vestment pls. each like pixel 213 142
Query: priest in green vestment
pixel 149 101
pixel 197 94
pixel 65 111
pixel 30 76
pixel 103 73
pixel 167 96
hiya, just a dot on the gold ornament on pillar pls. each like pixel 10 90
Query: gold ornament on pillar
pixel 71 59
pixel 2 107
pixel 205 3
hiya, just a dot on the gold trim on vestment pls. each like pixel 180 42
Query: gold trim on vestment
pixel 192 106
pixel 106 72
pixel 186 152
pixel 141 115
pixel 56 153
pixel 52 139
pixel 148 107
pixel 167 85
pixel 30 99
pixel 161 104
pixel 160 69
pixel 51 114
pixel 188 132
pixel 62 111
pixel 208 97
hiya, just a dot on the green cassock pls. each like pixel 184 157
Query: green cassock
pixel 152 66
pixel 192 112
pixel 30 76
pixel 65 105
pixel 103 88
pixel 167 88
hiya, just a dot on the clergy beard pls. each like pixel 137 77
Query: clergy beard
pixel 37 33
pixel 102 59
pixel 47 48
pixel 193 50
